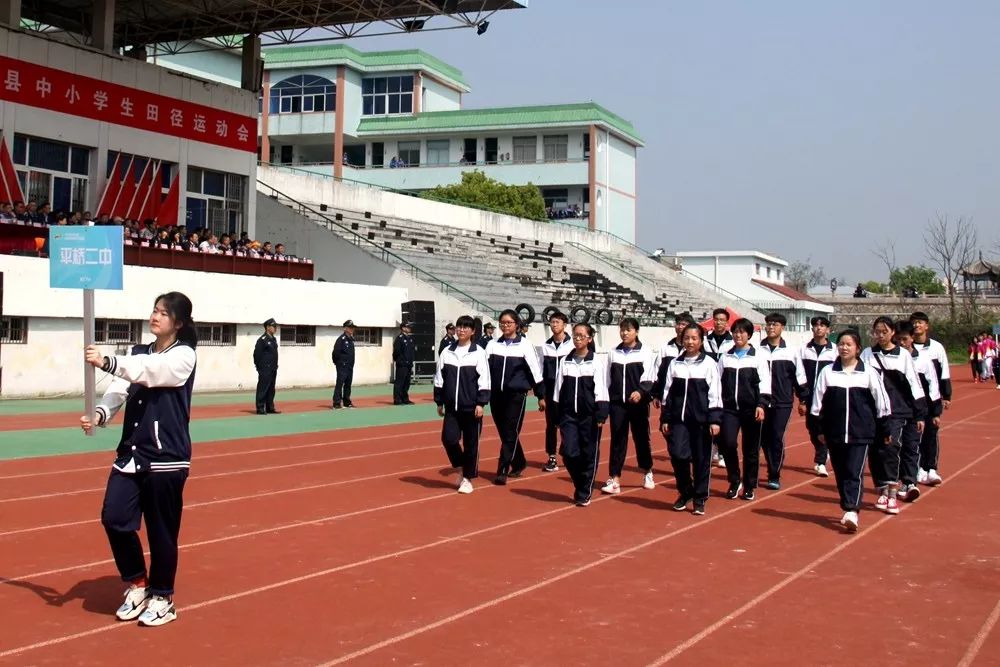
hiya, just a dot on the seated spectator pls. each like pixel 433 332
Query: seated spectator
pixel 225 244
pixel 266 250
pixel 43 214
pixel 103 220
pixel 210 245
pixel 74 218
pixel 21 211
pixel 252 249
pixel 88 217
pixel 860 292
pixel 279 251
pixel 6 211
pixel 394 162
pixel 61 219
pixel 244 240
pixel 177 240
pixel 161 240
pixel 191 243
pixel 148 230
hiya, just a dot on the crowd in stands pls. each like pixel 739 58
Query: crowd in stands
pixel 562 213
pixel 146 233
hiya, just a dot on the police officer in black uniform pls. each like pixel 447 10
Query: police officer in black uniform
pixel 343 360
pixel 449 337
pixel 487 336
pixel 265 359
pixel 402 357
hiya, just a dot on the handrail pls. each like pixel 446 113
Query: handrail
pixel 624 269
pixel 473 165
pixel 452 202
pixel 447 287
pixel 720 290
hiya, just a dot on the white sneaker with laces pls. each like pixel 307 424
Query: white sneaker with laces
pixel 135 602
pixel 159 611
pixel 921 476
pixel 611 487
pixel 933 478
pixel 850 521
pixel 647 481
pixel 721 463
pixel 465 486
pixel 821 470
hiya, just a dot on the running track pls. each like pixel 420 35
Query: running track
pixel 351 546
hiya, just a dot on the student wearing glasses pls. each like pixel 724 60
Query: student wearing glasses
pixel 514 371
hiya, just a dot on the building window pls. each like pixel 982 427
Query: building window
pixel 52 172
pixel 215 201
pixel 117 331
pixel 586 145
pixel 525 149
pixel 554 146
pixel 437 151
pixel 216 334
pixel 378 154
pixel 386 95
pixel 768 271
pixel 556 197
pixel 779 275
pixel 14 330
pixel 299 334
pixel 303 94
pixel 409 153
pixel 757 268
pixel 368 336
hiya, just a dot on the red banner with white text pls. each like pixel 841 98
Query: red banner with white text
pixel 34 85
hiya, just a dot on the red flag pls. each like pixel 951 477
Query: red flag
pixel 11 184
pixel 139 198
pixel 4 194
pixel 151 206
pixel 171 205
pixel 111 188
pixel 127 192
pixel 115 204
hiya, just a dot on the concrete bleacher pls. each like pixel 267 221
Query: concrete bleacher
pixel 502 271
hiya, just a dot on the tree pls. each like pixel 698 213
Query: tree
pixel 874 287
pixel 477 189
pixel 951 246
pixel 920 278
pixel 803 275
pixel 887 253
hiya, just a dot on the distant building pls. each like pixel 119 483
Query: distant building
pixel 756 278
pixel 395 119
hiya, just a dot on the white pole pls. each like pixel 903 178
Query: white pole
pixel 89 372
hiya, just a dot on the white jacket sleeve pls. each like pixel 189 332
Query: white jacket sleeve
pixel 168 369
pixel 112 401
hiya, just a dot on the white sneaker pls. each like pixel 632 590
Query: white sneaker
pixel 921 476
pixel 933 478
pixel 850 521
pixel 465 486
pixel 135 602
pixel 821 470
pixel 647 481
pixel 721 462
pixel 612 487
pixel 159 611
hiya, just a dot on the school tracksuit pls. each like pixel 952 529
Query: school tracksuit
pixel 581 390
pixel 814 358
pixel 898 459
pixel 152 459
pixel 852 408
pixel 746 386
pixel 514 371
pixel 462 382
pixel 630 370
pixel 929 444
pixel 691 402
pixel 788 379
pixel 715 347
pixel 927 374
pixel 668 352
pixel 552 354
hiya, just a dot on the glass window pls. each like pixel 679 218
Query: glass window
pixel 382 95
pixel 215 183
pixel 555 147
pixel 80 160
pixel 304 93
pixel 216 334
pixel 586 145
pixel 194 180
pixel 15 330
pixel 437 151
pixel 48 155
pixel 117 331
pixel 556 197
pixel 368 336
pixel 409 153
pixel 297 335
pixel 525 149
pixel 20 149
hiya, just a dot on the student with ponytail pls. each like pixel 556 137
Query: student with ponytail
pixel 154 386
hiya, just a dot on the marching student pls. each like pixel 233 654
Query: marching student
pixel 718 342
pixel 814 356
pixel 788 379
pixel 746 391
pixel 514 370
pixel 461 389
pixel 631 373
pixel 153 457
pixel 690 416
pixel 905 423
pixel 851 405
pixel 669 351
pixel 929 472
pixel 910 453
pixel 553 351
pixel 581 389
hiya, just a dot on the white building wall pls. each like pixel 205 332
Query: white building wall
pixel 216 65
pixel 50 361
pixel 734 274
pixel 439 97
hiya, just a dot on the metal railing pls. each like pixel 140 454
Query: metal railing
pixel 635 275
pixel 749 305
pixel 383 253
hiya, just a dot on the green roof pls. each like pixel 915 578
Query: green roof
pixel 333 54
pixel 506 117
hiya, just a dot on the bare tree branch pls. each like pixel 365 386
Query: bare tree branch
pixel 886 252
pixel 950 245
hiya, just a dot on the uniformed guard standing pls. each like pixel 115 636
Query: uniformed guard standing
pixel 402 357
pixel 265 358
pixel 449 338
pixel 343 360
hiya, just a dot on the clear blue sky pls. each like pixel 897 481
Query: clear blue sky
pixel 801 128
